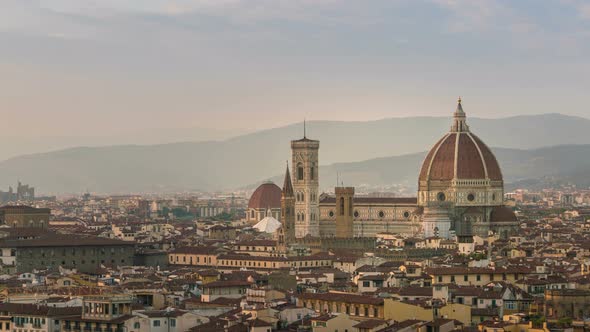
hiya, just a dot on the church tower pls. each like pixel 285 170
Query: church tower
pixel 344 208
pixel 288 209
pixel 306 186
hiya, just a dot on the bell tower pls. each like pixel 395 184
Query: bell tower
pixel 306 186
pixel 344 210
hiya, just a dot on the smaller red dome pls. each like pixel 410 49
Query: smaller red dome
pixel 267 195
pixel 502 213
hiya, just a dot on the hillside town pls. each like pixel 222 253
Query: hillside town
pixel 464 255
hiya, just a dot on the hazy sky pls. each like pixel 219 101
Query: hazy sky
pixel 81 67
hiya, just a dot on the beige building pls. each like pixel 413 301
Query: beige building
pixel 195 256
pixel 330 322
pixel 372 215
pixel 426 311
pixel 356 306
pixel 472 276
pixel 460 192
pixel 20 216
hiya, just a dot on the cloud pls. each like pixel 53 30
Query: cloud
pixel 584 10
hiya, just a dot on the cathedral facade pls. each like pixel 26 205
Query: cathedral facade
pixel 460 194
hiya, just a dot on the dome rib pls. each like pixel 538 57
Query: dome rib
pixel 427 164
pixel 482 159
pixel 492 166
pixel 442 165
pixel 470 162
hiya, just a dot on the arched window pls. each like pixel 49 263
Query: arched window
pixel 341 206
pixel 300 172
pixel 312 172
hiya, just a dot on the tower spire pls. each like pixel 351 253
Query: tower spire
pixel 459 119
pixel 304 129
pixel 287 184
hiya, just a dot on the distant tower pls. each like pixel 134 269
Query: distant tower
pixel 306 186
pixel 344 208
pixel 288 209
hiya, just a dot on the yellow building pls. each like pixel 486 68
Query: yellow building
pixel 425 310
pixel 194 256
pixel 473 276
pixel 329 323
pixel 354 305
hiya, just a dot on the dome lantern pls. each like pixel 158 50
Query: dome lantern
pixel 459 119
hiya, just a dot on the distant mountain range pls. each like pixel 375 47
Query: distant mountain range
pixel 538 167
pixel 13 146
pixel 361 151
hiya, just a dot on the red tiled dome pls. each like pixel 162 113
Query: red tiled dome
pixel 460 155
pixel 463 154
pixel 267 195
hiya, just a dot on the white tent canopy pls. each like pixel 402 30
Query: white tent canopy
pixel 268 225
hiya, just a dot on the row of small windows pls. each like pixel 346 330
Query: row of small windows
pixel 356 214
pixel 470 197
pixel 301 216
pixel 356 310
pixel 190 260
pixel 477 277
pixel 264 264
pixel 74 263
pixel 73 251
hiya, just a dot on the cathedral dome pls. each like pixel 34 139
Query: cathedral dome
pixel 459 155
pixel 267 195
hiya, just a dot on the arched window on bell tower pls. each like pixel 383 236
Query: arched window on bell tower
pixel 300 172
pixel 341 206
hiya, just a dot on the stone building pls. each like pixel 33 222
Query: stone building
pixel 22 216
pixel 24 192
pixel 567 303
pixel 371 216
pixel 49 250
pixel 460 194
pixel 305 165
pixel 344 212
pixel 461 188
pixel 101 313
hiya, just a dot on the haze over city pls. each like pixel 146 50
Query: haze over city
pixel 295 166
pixel 101 68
